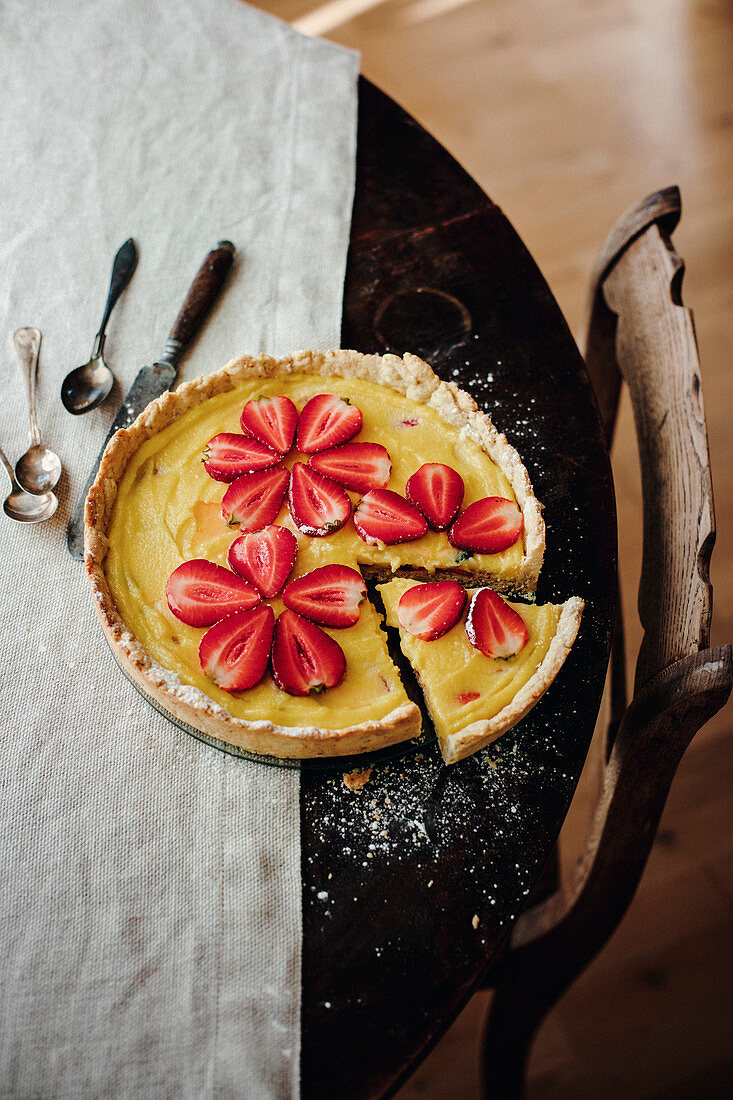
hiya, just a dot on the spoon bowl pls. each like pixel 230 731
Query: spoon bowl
pixel 24 507
pixel 86 387
pixel 39 469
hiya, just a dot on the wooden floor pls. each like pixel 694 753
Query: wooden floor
pixel 567 112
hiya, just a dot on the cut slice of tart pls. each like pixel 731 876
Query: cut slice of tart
pixel 473 697
pixel 371 421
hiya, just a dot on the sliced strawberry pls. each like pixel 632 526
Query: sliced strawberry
pixel 265 558
pixel 318 505
pixel 437 490
pixel 330 595
pixel 235 652
pixel 357 466
pixel 327 420
pixel 493 626
pixel 487 526
pixel 229 455
pixel 467 697
pixel 384 516
pixel 200 593
pixel 254 500
pixel 431 610
pixel 305 660
pixel 272 420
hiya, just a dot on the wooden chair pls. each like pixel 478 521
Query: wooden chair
pixel 638 331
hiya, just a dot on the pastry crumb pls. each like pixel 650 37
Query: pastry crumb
pixel 357 779
pixel 475 921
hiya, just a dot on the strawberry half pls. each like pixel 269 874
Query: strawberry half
pixel 318 505
pixel 384 516
pixel 235 652
pixel 229 455
pixel 327 420
pixel 254 500
pixel 431 610
pixel 330 595
pixel 305 660
pixel 272 420
pixel 437 490
pixel 357 466
pixel 493 626
pixel 487 526
pixel 265 558
pixel 199 593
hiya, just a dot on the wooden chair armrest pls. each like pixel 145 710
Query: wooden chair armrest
pixel 656 353
pixel 636 303
pixel 639 331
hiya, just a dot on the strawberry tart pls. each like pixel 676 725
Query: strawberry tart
pixel 232 531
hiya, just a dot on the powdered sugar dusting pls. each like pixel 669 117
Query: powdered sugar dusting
pixel 417 814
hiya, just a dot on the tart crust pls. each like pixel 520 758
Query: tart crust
pixel 408 376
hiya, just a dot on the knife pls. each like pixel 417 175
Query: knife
pixel 152 381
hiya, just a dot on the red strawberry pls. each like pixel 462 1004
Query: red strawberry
pixel 357 466
pixel 200 593
pixel 317 504
pixel 325 421
pixel 384 516
pixel 229 455
pixel 430 610
pixel 437 490
pixel 272 420
pixel 493 626
pixel 487 526
pixel 265 558
pixel 235 652
pixel 330 595
pixel 254 500
pixel 305 660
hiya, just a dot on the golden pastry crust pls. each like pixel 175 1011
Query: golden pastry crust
pixel 408 376
pixel 457 746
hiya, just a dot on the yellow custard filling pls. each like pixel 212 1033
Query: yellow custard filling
pixel 168 510
pixel 460 684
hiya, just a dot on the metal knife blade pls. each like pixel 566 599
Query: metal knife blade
pixel 152 381
pixel 149 383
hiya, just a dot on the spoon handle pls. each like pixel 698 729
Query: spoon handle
pixel 123 269
pixel 27 343
pixel 8 467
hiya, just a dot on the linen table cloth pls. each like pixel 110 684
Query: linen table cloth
pixel 151 902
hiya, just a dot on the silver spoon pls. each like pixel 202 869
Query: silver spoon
pixel 25 507
pixel 88 386
pixel 39 469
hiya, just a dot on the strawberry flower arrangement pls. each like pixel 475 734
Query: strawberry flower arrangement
pixel 242 636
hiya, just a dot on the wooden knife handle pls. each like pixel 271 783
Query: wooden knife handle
pixel 203 290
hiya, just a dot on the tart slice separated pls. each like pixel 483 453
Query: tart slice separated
pixel 230 530
pixel 482 669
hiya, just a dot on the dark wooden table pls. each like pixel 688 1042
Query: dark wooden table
pixel 411 885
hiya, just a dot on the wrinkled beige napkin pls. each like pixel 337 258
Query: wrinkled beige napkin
pixel 151 900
